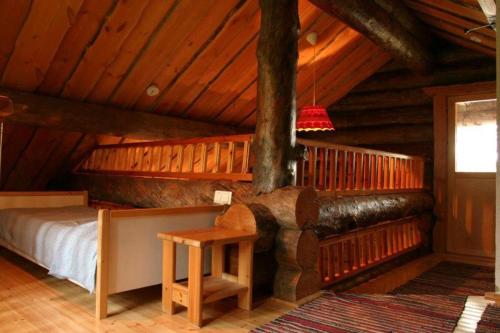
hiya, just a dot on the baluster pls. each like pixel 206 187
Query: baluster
pixel 350 171
pixel 333 170
pixel 146 161
pixel 179 159
pixel 216 157
pixel 354 254
pixel 341 170
pixel 390 250
pixel 246 157
pixel 359 171
pixel 190 158
pixel 331 262
pixel 203 159
pixel 405 236
pixel 366 171
pixel 377 247
pixel 325 163
pixel 407 174
pixel 386 172
pixel 230 157
pixel 321 173
pixel 391 173
pixel 397 183
pixel 383 243
pixel 311 179
pixel 340 260
pixel 413 174
pixel 373 172
pixel 380 169
pixel 362 251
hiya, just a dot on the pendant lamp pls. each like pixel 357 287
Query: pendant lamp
pixel 313 117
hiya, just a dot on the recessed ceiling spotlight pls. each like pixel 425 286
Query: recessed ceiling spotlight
pixel 152 90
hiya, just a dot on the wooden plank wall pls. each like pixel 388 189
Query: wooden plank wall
pixel 389 111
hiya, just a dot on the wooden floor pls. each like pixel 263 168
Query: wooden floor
pixel 32 301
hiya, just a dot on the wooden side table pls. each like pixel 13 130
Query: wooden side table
pixel 198 290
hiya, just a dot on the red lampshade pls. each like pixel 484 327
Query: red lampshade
pixel 314 118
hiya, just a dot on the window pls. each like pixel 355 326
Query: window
pixel 476 136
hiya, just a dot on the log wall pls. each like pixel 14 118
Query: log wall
pixel 389 111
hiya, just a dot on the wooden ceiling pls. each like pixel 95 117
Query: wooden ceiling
pixel 449 19
pixel 201 54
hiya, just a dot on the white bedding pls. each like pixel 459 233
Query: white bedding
pixel 64 240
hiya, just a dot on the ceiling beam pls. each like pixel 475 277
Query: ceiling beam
pixel 389 24
pixel 44 111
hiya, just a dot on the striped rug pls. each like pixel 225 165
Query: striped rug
pixel 432 302
pixel 490 321
pixel 345 312
pixel 451 279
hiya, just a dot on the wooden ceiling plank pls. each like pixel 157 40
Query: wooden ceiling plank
pixel 13 14
pixel 342 65
pixel 363 72
pixel 240 30
pixel 330 34
pixel 162 47
pixel 458 31
pixel 104 49
pixel 455 9
pixel 237 77
pixel 38 41
pixel 448 17
pixel 34 156
pixel 153 15
pixel 87 25
pixel 466 43
pixel 198 40
pixel 37 110
pixel 67 143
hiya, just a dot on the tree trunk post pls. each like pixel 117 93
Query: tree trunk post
pixel 277 55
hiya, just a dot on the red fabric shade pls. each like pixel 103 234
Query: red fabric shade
pixel 314 118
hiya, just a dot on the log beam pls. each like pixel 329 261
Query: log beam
pixel 277 55
pixel 398 35
pixel 44 111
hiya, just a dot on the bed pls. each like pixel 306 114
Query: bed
pixel 96 249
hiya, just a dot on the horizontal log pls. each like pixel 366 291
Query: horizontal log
pixel 338 215
pixel 293 207
pixel 378 23
pixel 44 111
pixel 297 248
pixel 377 135
pixel 483 70
pixel 368 118
pixel 381 100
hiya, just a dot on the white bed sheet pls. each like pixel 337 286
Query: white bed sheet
pixel 64 240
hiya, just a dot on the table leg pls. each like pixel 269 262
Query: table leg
pixel 217 260
pixel 168 305
pixel 195 286
pixel 245 273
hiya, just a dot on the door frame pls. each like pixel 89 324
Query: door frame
pixel 452 175
pixel 441 101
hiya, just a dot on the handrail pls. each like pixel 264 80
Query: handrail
pixel 328 167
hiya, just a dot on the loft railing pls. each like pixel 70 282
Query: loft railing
pixel 222 157
pixel 327 167
pixel 338 168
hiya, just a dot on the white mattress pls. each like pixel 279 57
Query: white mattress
pixel 64 240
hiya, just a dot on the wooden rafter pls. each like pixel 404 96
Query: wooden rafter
pixel 377 21
pixel 44 111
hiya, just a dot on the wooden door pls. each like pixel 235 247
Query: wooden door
pixel 471 174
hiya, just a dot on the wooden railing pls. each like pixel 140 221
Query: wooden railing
pixel 338 168
pixel 358 250
pixel 224 158
pixel 328 167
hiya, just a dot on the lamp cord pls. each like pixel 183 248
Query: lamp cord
pixel 314 74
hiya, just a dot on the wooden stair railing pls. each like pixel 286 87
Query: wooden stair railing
pixel 328 167
pixel 223 158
